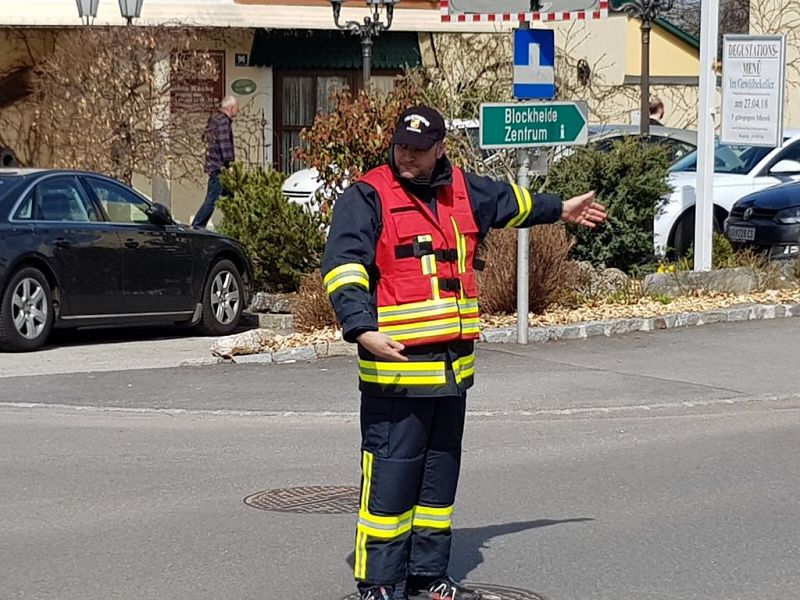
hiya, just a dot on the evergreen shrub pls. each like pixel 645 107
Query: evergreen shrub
pixel 630 180
pixel 282 240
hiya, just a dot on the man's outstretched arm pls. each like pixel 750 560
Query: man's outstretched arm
pixel 497 204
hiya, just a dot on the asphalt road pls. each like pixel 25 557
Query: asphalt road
pixel 650 466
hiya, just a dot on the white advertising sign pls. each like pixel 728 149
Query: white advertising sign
pixel 753 83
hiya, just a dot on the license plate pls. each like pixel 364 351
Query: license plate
pixel 737 233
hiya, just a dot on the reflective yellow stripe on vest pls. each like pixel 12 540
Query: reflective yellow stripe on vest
pixel 461 247
pixel 470 321
pixel 468 306
pixel 417 310
pixel 435 518
pixel 424 329
pixel 348 274
pixel 525 204
pixel 428 260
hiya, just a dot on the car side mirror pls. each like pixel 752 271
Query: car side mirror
pixel 786 167
pixel 159 215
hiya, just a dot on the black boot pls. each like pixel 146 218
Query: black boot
pixel 377 592
pixel 443 588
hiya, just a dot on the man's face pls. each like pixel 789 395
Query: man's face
pixel 412 163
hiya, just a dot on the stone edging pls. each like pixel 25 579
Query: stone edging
pixel 574 331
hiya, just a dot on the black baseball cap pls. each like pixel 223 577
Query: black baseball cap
pixel 419 127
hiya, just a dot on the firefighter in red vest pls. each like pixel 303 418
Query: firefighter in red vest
pixel 399 267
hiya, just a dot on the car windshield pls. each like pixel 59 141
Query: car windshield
pixel 737 160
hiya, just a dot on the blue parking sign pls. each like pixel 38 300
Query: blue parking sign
pixel 534 63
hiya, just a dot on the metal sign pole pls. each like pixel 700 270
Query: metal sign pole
pixel 523 245
pixel 529 125
pixel 523 237
pixel 704 212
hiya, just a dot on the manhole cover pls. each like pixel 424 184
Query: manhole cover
pixel 317 500
pixel 490 592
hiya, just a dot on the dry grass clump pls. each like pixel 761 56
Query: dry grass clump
pixel 312 309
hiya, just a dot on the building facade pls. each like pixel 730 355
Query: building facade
pixel 282 58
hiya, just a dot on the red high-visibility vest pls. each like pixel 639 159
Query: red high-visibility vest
pixel 426 291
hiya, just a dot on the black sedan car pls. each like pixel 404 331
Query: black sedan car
pixel 768 221
pixel 80 249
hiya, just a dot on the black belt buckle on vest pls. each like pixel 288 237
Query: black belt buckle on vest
pixel 415 249
pixel 450 284
pixel 447 255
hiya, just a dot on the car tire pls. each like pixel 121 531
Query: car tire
pixel 683 233
pixel 683 236
pixel 223 299
pixel 26 311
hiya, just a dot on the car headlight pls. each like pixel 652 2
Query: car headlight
pixel 788 215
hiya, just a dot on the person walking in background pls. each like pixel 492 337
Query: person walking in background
pixel 656 111
pixel 399 268
pixel 220 154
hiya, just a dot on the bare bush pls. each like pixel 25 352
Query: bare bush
pixel 312 309
pixel 99 99
pixel 553 275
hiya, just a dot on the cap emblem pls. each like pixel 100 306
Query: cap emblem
pixel 414 123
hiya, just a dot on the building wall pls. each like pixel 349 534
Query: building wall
pixel 674 67
pixel 250 137
pixel 20 48
pixel 669 56
pixel 252 129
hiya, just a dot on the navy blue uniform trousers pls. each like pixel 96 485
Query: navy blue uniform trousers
pixel 411 455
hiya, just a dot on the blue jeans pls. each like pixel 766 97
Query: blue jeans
pixel 213 193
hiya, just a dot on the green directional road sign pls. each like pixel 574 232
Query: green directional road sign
pixel 528 124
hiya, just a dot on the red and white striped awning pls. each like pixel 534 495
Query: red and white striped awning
pixel 451 16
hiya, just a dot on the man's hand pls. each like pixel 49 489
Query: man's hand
pixel 583 210
pixel 382 346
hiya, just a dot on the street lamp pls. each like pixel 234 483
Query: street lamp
pixel 87 10
pixel 370 28
pixel 130 9
pixel 646 11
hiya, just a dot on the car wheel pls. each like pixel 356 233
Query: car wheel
pixel 26 312
pixel 223 296
pixel 683 236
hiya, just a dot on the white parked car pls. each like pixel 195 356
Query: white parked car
pixel 739 170
pixel 300 187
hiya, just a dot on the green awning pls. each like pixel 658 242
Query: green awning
pixel 315 49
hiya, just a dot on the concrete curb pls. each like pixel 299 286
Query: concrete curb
pixel 573 331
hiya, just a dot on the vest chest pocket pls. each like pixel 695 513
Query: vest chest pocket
pixel 408 225
pixel 410 289
pixel 414 249
pixel 465 223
